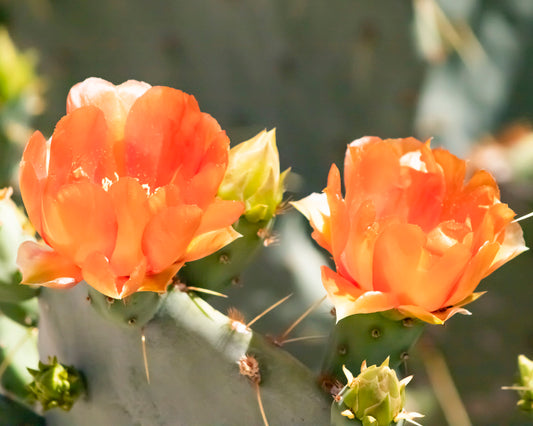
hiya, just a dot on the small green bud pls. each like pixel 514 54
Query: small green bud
pixel 56 385
pixel 376 397
pixel 525 388
pixel 253 176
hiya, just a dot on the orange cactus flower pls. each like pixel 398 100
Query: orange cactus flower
pixel 410 233
pixel 124 192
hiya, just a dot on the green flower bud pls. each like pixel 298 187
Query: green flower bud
pixel 14 229
pixel 376 397
pixel 56 385
pixel 253 176
pixel 525 387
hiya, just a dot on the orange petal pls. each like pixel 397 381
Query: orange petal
pixel 372 301
pixel 358 255
pixel 493 222
pixel 203 181
pixel 403 266
pixel 131 208
pixel 316 209
pixel 159 282
pixel 165 196
pixel 476 269
pixel 424 198
pixel 372 167
pixel 453 170
pixel 156 116
pixel 208 243
pixel 80 148
pixel 341 292
pixel 220 214
pixel 42 265
pixel 339 218
pixel 32 174
pixel 79 220
pixel 114 101
pixel 398 257
pixel 179 134
pixel 413 311
pixel 98 273
pixel 168 234
pixel 349 299
pixel 512 245
pixel 202 188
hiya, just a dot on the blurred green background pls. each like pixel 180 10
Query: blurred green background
pixel 324 73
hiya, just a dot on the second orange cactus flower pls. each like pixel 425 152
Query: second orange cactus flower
pixel 124 192
pixel 410 234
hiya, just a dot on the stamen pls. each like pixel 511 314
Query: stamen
pixel 146 187
pixel 78 173
pixel 106 183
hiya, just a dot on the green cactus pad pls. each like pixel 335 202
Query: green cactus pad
pixel 13 413
pixel 11 291
pixel 371 337
pixel 192 352
pixel 25 313
pixel 223 268
pixel 18 350
pixel 132 311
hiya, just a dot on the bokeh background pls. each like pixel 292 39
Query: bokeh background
pixel 323 73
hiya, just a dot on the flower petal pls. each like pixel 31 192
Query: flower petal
pixel 403 266
pixel 42 265
pixel 114 101
pixel 33 172
pixel 420 313
pixel 512 245
pixel 78 220
pixel 339 214
pixel 159 282
pixel 350 299
pixel 81 149
pixel 99 274
pixel 180 138
pixel 220 214
pixel 209 242
pixel 316 209
pixel 168 234
pixel 131 209
pixel 358 256
pixel 475 271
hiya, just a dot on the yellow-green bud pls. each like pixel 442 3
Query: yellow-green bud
pixel 376 397
pixel 525 388
pixel 56 385
pixel 253 176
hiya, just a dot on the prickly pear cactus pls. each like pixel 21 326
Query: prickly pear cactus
pixel 190 374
